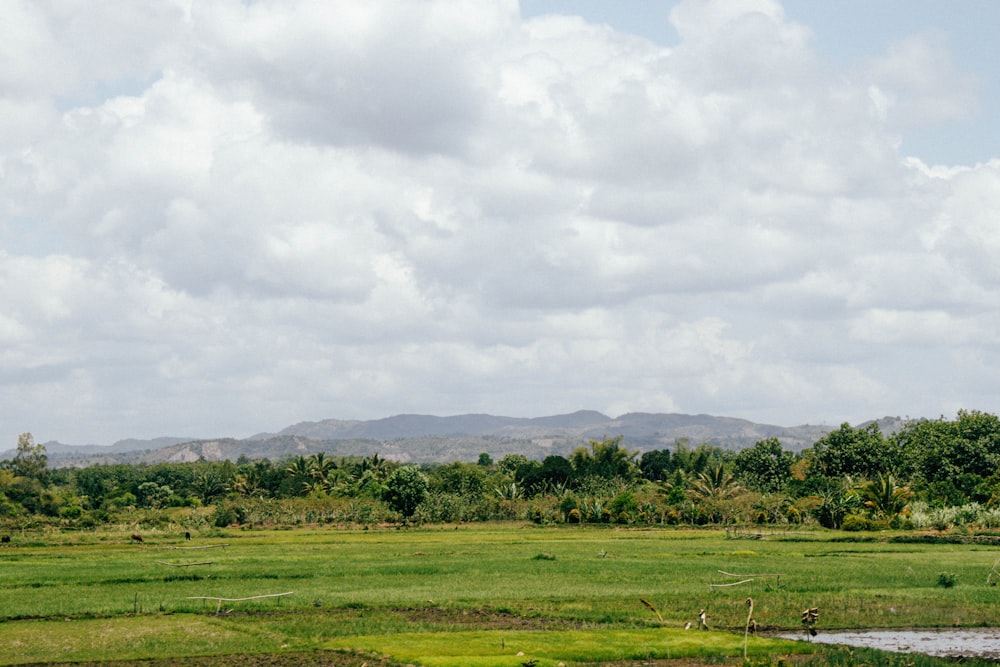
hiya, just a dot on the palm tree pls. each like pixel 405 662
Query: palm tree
pixel 209 484
pixel 301 473
pixel 246 484
pixel 884 498
pixel 714 484
pixel 365 476
pixel 320 467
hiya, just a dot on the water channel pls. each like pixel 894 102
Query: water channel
pixel 953 643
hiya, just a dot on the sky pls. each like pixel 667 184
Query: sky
pixel 219 218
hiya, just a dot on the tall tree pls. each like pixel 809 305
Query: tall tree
pixel 947 460
pixel 30 459
pixel 765 467
pixel 655 464
pixel 856 452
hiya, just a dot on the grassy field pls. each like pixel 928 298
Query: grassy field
pixel 467 595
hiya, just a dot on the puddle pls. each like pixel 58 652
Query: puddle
pixel 966 643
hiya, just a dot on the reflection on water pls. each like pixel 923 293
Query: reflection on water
pixel 966 643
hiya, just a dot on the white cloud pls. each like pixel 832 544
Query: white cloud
pixel 221 218
pixel 916 82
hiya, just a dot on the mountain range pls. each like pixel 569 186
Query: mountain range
pixel 428 438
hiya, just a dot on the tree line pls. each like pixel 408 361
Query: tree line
pixel 853 477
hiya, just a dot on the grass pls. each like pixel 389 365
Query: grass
pixel 127 638
pixel 549 648
pixel 91 595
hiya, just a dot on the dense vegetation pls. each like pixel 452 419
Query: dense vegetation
pixel 929 474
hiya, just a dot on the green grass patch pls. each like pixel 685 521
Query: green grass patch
pixel 129 638
pixel 549 648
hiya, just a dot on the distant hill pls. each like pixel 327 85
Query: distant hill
pixel 417 426
pixel 428 438
pixel 120 447
pixel 640 430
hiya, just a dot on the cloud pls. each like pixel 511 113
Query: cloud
pixel 73 49
pixel 393 74
pixel 221 218
pixel 916 82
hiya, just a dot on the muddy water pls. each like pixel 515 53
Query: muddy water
pixel 966 643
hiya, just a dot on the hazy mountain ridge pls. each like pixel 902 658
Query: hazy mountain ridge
pixel 427 438
pixel 128 445
pixel 416 426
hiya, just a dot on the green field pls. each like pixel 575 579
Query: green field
pixel 467 595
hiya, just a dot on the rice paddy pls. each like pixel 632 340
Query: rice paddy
pixel 470 594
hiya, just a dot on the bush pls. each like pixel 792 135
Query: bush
pixel 574 516
pixel 856 522
pixel 70 512
pixel 624 503
pixel 946 579
pixel 9 509
pixel 443 508
pixel 568 504
pixel 224 515
pixel 405 489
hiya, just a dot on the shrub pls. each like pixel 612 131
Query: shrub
pixel 574 516
pixel 9 509
pixel 443 508
pixel 946 579
pixel 70 512
pixel 624 503
pixel 406 488
pixel 568 504
pixel 224 515
pixel 856 522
